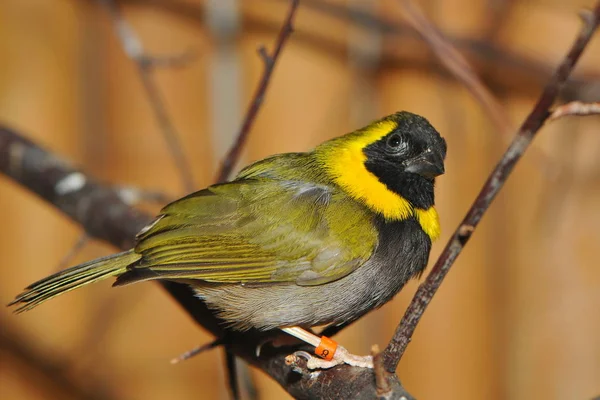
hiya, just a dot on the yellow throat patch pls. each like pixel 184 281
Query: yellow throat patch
pixel 344 161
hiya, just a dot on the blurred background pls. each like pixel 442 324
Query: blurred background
pixel 519 314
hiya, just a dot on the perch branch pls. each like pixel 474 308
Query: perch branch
pixel 540 113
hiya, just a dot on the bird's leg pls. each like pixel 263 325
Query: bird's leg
pixel 330 352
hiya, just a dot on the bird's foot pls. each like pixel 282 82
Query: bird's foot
pixel 341 356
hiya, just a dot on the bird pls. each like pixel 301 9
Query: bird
pixel 295 240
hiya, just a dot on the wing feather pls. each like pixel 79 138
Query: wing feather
pixel 256 231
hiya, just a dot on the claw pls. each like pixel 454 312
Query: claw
pixel 341 356
pixel 303 354
pixel 258 349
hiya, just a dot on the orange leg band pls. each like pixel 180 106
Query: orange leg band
pixel 326 348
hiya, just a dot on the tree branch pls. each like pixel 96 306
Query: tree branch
pixel 499 68
pixel 234 153
pixel 540 113
pixel 269 61
pixel 457 65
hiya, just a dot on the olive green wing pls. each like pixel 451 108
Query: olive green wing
pixel 256 231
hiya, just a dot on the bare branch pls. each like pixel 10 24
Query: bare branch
pixel 540 113
pixel 133 48
pixel 196 350
pixel 269 61
pixel 82 240
pixel 575 108
pixel 458 66
pixel 500 68
pixel 235 151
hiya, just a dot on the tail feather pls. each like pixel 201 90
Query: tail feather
pixel 73 278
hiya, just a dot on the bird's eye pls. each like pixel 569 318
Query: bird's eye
pixel 395 144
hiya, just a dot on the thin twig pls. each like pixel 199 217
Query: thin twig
pixel 235 151
pixel 269 61
pixel 575 108
pixel 458 66
pixel 500 68
pixel 540 113
pixel 196 350
pixel 82 240
pixel 145 64
pixel 133 48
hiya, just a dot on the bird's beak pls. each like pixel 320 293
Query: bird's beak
pixel 429 164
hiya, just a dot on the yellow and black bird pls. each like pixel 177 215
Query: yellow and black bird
pixel 295 240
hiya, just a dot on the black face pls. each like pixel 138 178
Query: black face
pixel 408 159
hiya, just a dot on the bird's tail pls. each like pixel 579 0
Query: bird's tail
pixel 72 278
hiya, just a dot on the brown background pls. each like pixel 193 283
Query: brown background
pixel 519 315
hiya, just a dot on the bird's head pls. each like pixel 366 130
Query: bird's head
pixel 390 164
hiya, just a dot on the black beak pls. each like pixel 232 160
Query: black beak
pixel 429 165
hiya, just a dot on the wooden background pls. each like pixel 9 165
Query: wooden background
pixel 518 316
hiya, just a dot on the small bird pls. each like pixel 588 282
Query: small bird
pixel 296 240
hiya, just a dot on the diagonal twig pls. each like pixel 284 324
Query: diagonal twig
pixel 269 61
pixel 133 48
pixel 81 242
pixel 145 64
pixel 197 350
pixel 235 151
pixel 540 113
pixel 451 58
pixel 502 69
